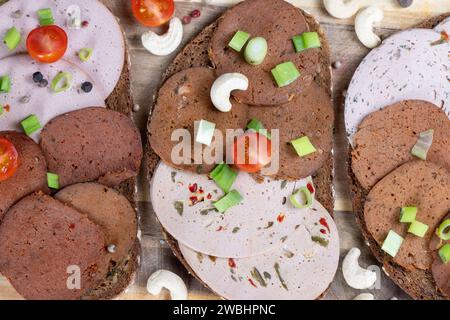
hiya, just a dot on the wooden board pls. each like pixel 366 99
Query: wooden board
pixel 146 73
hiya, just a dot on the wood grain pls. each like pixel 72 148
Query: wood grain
pixel 146 76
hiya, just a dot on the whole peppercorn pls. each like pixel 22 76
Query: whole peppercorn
pixel 196 13
pixel 38 77
pixel 405 3
pixel 43 83
pixel 87 86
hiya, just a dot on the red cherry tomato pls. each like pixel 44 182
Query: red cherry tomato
pixel 153 13
pixel 9 159
pixel 47 44
pixel 251 152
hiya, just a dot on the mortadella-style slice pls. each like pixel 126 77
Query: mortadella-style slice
pixel 92 144
pixel 385 139
pixel 31 174
pixel 26 97
pixel 301 268
pixel 183 203
pixel 43 243
pixel 409 65
pixel 100 32
pixel 418 183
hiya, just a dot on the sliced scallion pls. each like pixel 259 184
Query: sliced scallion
pixel 204 132
pixel 307 40
pixel 257 126
pixel 256 51
pixel 423 144
pixel 12 38
pixel 441 231
pixel 31 124
pixel 444 253
pixel 285 73
pixel 303 146
pixel 239 40
pixel 52 180
pixel 2 110
pixel 5 84
pixel 392 243
pixel 85 54
pixel 45 17
pixel 224 176
pixel 418 228
pixel 306 194
pixel 61 82
pixel 408 214
pixel 228 201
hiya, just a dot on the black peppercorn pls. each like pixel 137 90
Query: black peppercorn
pixel 86 86
pixel 38 77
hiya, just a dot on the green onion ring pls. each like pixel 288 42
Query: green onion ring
pixel 441 230
pixel 308 196
pixel 61 82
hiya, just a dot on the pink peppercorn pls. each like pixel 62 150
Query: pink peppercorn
pixel 186 19
pixel 196 13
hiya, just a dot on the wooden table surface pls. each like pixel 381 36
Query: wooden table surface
pixel 146 73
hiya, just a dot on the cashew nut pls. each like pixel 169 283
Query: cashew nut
pixel 222 88
pixel 364 296
pixel 162 45
pixel 168 280
pixel 355 276
pixel 364 26
pixel 342 9
pixel 73 17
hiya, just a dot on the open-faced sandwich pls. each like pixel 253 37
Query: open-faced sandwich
pixel 397 118
pixel 240 161
pixel 69 153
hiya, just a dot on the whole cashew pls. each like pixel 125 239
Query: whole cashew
pixel 364 296
pixel 355 276
pixel 342 9
pixel 170 281
pixel 222 88
pixel 364 26
pixel 162 45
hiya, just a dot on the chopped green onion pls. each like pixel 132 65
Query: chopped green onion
pixel 239 40
pixel 307 40
pixel 52 180
pixel 285 74
pixel 31 124
pixel 418 228
pixel 85 54
pixel 45 17
pixel 441 230
pixel 224 176
pixel 12 38
pixel 408 214
pixel 5 84
pixel 423 144
pixel 205 132
pixel 61 82
pixel 228 201
pixel 308 198
pixel 257 126
pixel 444 253
pixel 392 243
pixel 303 146
pixel 1 109
pixel 256 51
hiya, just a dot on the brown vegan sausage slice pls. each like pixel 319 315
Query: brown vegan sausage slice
pixel 40 238
pixel 31 175
pixel 417 183
pixel 90 144
pixel 385 139
pixel 277 21
pixel 108 209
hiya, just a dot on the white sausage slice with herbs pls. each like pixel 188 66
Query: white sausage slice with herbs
pixel 100 32
pixel 255 226
pixel 410 65
pixel 27 98
pixel 301 268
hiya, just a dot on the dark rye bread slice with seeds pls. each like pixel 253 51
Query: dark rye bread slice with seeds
pixel 195 54
pixel 419 284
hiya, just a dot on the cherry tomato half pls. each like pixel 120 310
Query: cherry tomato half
pixel 153 13
pixel 47 44
pixel 257 151
pixel 9 159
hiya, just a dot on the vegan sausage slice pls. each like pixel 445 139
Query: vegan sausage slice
pixel 424 185
pixel 43 242
pixel 31 175
pixel 92 144
pixel 385 139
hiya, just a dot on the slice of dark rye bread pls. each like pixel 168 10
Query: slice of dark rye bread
pixel 419 284
pixel 195 54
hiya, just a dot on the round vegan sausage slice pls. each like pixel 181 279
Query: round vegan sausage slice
pixel 417 183
pixel 385 139
pixel 107 208
pixel 439 269
pixel 90 144
pixel 31 175
pixel 278 22
pixel 43 243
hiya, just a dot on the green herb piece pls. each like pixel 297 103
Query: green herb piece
pixel 85 54
pixel 61 82
pixel 2 110
pixel 179 206
pixel 444 253
pixel 224 176
pixel 52 180
pixel 31 124
pixel 258 277
pixel 276 266
pixel 236 230
pixel 283 184
pixel 267 275
pixel 239 40
pixel 307 195
pixel 256 51
pixel 285 74
pixel 269 225
pixel 418 228
pixel 441 230
pixel 173 174
pixel 408 214
pixel 257 126
pixel 5 84
pixel 392 243
pixel 228 201
pixel 303 146
pixel 12 38
pixel 205 212
pixel 45 17
pixel 321 241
